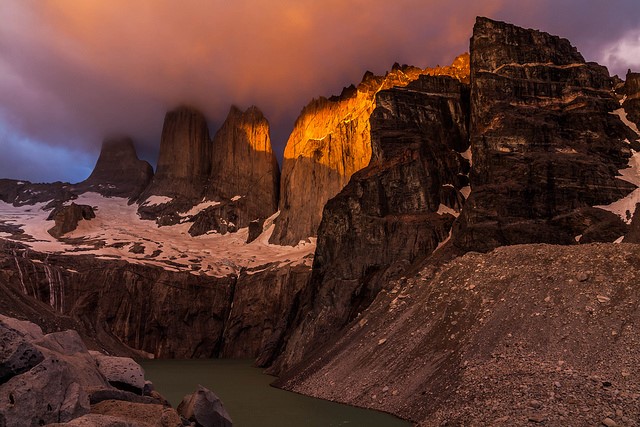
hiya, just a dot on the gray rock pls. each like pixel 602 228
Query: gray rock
pixel 16 354
pixel 204 408
pixel 121 372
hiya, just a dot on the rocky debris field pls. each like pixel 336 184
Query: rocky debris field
pixel 524 335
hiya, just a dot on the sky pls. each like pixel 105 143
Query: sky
pixel 75 71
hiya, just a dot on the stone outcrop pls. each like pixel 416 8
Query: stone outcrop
pixel 66 218
pixel 329 143
pixel 205 409
pixel 21 193
pixel 543 141
pixel 392 213
pixel 244 163
pixel 118 171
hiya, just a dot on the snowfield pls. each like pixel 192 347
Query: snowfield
pixel 117 228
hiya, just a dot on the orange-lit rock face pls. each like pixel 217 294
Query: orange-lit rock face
pixel 330 142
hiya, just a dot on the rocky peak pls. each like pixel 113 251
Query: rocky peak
pixel 244 163
pixel 545 147
pixel 331 141
pixel 118 171
pixel 185 151
pixel 496 43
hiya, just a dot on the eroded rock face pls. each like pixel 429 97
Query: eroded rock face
pixel 542 139
pixel 67 218
pixel 118 172
pixel 393 212
pixel 330 142
pixel 244 164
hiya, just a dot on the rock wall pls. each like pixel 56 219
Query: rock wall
pixel 184 161
pixel 329 143
pixel 544 143
pixel 167 314
pixel 244 164
pixel 392 213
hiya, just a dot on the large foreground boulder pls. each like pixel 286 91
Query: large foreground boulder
pixel 205 409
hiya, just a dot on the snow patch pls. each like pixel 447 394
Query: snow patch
pixel 117 227
pixel 465 191
pixel 199 208
pixel 467 155
pixel 236 198
pixel 443 209
pixel 157 200
pixel 620 112
pixel 625 208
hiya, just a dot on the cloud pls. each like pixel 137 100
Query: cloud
pixel 73 71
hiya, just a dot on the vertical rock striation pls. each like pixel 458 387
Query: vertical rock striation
pixel 184 165
pixel 245 175
pixel 545 147
pixel 329 143
pixel 392 213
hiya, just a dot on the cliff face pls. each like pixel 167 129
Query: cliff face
pixel 393 212
pixel 545 147
pixel 118 171
pixel 631 92
pixel 244 168
pixel 164 313
pixel 330 142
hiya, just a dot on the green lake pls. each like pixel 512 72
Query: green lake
pixel 251 402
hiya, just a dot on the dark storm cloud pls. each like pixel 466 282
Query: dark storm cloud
pixel 73 71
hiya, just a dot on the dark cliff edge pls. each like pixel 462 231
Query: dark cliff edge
pixel 425 340
pixel 393 212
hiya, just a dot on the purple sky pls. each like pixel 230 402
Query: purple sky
pixel 74 71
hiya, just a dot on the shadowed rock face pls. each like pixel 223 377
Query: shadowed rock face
pixel 330 142
pixel 184 161
pixel 542 139
pixel 118 172
pixel 396 210
pixel 244 163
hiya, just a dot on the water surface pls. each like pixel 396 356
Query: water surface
pixel 249 399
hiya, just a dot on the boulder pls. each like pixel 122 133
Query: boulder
pixel 121 372
pixel 205 409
